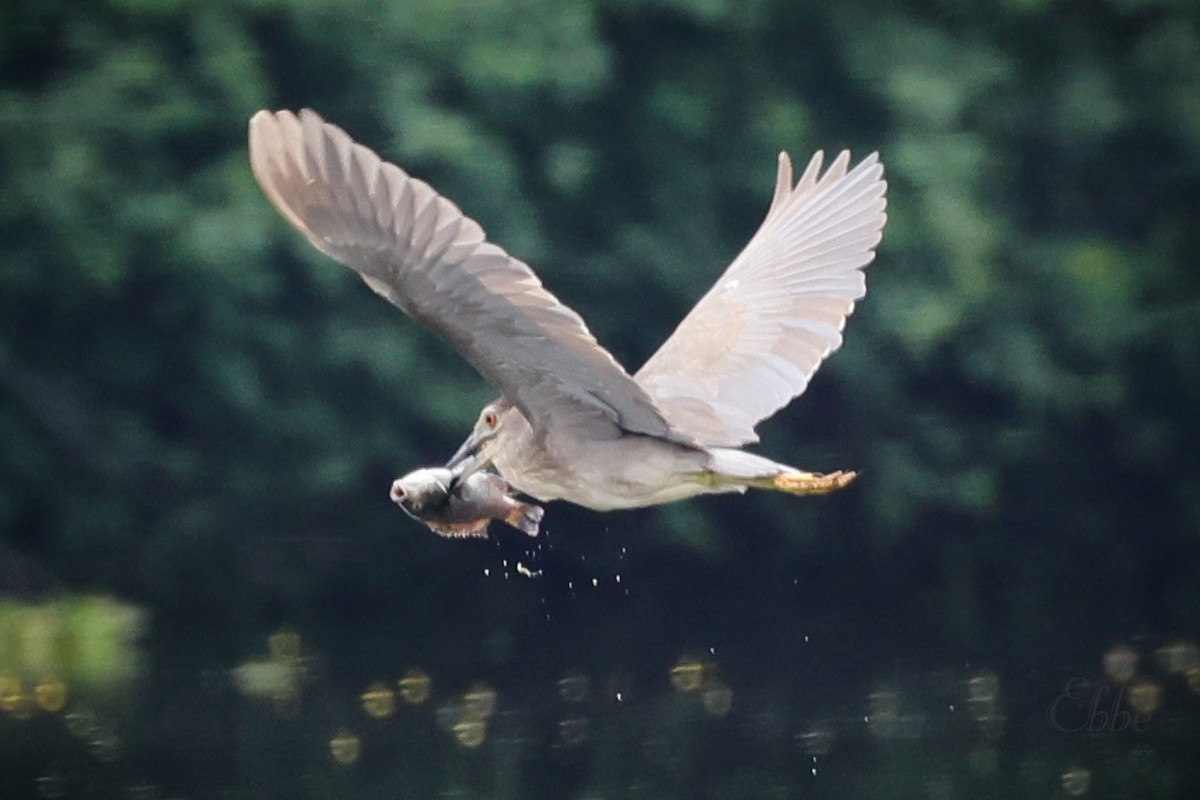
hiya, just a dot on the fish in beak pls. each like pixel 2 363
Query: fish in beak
pixel 457 505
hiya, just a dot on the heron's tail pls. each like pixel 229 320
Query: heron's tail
pixel 743 470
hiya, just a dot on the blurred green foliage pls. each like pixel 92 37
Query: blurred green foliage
pixel 87 643
pixel 189 393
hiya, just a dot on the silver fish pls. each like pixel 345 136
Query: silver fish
pixel 463 508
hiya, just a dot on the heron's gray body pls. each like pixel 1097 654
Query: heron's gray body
pixel 614 468
pixel 621 470
pixel 571 423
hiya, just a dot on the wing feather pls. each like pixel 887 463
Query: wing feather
pixel 754 341
pixel 418 250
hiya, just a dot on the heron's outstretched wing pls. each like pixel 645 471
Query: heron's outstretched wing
pixel 419 251
pixel 753 342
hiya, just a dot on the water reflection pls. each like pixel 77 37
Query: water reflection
pixel 345 747
pixel 414 687
pixel 379 701
pixel 690 725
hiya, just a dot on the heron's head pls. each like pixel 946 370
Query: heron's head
pixel 475 452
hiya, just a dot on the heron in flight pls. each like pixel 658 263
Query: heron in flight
pixel 570 423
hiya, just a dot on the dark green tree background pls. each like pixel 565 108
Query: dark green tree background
pixel 197 411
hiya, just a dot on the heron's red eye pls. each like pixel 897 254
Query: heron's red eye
pixel 489 419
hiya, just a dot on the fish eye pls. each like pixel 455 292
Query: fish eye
pixel 490 419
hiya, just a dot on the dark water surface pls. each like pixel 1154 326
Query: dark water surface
pixel 608 672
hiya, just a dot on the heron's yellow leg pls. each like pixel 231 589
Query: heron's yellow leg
pixel 802 483
pixel 792 481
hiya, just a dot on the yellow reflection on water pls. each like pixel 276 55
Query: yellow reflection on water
pixel 345 746
pixel 50 695
pixel 687 675
pixel 279 676
pixel 479 702
pixel 379 701
pixel 414 687
pixel 470 732
pixel 1146 696
pixel 11 692
pixel 88 641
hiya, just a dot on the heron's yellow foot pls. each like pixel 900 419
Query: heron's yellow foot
pixel 801 483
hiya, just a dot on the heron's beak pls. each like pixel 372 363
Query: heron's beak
pixel 471 457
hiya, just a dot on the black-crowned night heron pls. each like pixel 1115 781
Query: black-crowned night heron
pixel 570 423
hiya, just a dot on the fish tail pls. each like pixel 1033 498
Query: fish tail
pixel 525 517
